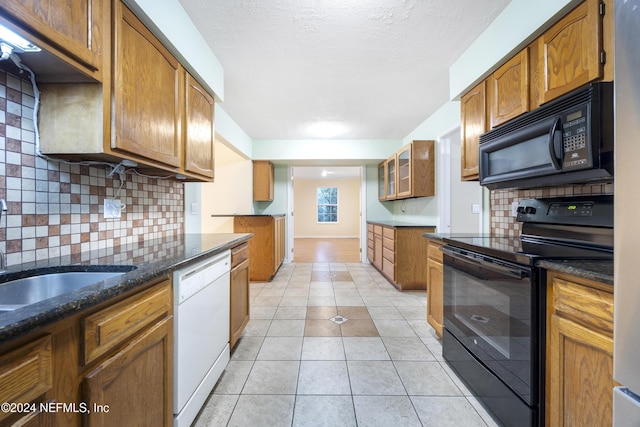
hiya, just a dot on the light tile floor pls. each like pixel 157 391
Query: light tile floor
pixel 381 367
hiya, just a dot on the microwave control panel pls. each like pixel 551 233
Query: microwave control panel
pixel 575 140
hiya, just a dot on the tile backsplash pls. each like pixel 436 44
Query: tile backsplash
pixel 56 208
pixel 504 224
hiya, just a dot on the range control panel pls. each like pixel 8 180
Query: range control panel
pixel 582 210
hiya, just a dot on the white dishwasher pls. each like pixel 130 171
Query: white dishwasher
pixel 201 333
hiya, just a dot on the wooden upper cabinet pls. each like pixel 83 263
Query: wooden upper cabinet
pixel 390 168
pixel 148 84
pixel 382 182
pixel 76 28
pixel 416 170
pixel 199 130
pixel 570 51
pixel 509 89
pixel 473 123
pixel 263 181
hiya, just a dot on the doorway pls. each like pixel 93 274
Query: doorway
pixel 326 233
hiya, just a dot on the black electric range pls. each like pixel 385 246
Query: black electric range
pixel 495 300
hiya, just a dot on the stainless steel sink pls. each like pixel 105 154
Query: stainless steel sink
pixel 20 292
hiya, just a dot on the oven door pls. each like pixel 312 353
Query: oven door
pixel 492 308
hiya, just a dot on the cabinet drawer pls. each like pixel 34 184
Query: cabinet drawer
pixel 389 244
pixel 239 254
pixel 434 250
pixel 104 330
pixel 26 373
pixel 389 255
pixel 377 229
pixel 389 233
pixel 370 243
pixel 370 228
pixel 590 307
pixel 370 254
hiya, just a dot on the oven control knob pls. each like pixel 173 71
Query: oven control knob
pixel 530 210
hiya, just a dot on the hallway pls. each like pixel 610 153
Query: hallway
pixel 335 344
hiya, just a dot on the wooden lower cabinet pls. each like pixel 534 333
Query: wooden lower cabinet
pixel 579 373
pixel 239 292
pixel 266 247
pixel 435 315
pixel 130 375
pixel 134 386
pixel 399 253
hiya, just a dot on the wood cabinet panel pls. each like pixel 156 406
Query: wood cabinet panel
pixel 382 181
pixel 510 89
pixel 148 93
pixel 79 31
pixel 266 247
pixel 473 123
pixel 398 253
pixel 569 51
pixel 263 181
pixel 391 183
pixel 408 173
pixel 435 291
pixel 240 306
pixel 26 373
pixel 108 328
pixel 136 382
pixel 199 131
pixel 579 352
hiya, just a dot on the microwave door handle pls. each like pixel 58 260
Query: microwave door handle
pixel 555 144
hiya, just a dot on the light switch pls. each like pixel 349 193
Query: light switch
pixel 475 208
pixel 194 208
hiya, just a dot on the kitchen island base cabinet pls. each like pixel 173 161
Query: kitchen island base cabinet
pixel 399 253
pixel 579 352
pixel 266 247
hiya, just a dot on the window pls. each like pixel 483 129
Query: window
pixel 327 204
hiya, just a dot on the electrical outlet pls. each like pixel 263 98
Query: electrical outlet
pixel 514 209
pixel 112 208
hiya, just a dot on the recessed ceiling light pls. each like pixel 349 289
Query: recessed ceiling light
pixel 325 129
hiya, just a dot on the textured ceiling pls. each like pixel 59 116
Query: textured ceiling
pixel 377 67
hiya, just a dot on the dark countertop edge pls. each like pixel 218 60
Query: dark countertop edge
pixel 235 215
pixel 60 307
pixel 397 224
pixel 598 271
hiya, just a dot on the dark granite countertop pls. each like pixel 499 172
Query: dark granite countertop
pixel 142 261
pixel 397 224
pixel 599 271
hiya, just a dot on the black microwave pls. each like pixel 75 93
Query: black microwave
pixel 566 141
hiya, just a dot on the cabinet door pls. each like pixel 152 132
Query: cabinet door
pixel 199 134
pixel 148 84
pixel 382 181
pixel 377 251
pixel 262 181
pixel 510 89
pixel 390 167
pixel 404 172
pixel 473 122
pixel 239 301
pixel 581 375
pixel 76 28
pixel 435 296
pixel 569 51
pixel 135 383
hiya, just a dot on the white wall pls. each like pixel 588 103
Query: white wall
pixel 230 193
pixel 305 208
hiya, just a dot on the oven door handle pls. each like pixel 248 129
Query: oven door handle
pixel 500 268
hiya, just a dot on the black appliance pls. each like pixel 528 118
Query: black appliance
pixel 495 300
pixel 568 140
